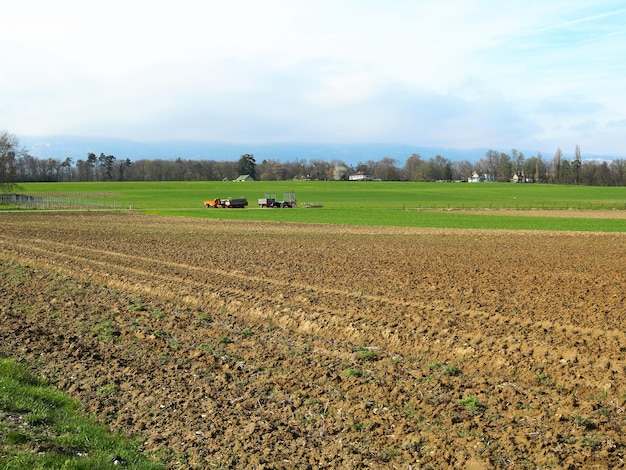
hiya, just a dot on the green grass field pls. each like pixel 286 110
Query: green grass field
pixel 362 203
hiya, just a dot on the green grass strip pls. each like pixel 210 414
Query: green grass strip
pixel 40 427
pixel 409 218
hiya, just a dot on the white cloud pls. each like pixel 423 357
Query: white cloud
pixel 450 73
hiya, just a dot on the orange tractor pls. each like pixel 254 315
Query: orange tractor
pixel 231 203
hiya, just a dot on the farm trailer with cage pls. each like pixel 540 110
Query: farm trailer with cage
pixel 289 200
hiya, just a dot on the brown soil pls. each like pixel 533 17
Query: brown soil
pixel 262 345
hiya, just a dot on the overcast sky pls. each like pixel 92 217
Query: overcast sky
pixel 533 74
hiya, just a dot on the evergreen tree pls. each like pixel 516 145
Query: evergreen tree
pixel 247 165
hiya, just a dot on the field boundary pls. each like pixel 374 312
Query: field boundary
pixel 57 202
pixel 47 202
pixel 525 206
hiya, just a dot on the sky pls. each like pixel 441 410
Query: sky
pixel 536 75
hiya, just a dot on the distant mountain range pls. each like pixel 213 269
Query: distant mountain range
pixel 62 147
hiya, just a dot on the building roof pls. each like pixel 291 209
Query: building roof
pixel 242 178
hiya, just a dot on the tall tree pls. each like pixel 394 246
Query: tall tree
pixel 565 176
pixel 122 168
pixel 438 169
pixel 51 168
pixel 271 170
pixel 557 164
pixel 8 162
pixel 247 165
pixel 338 170
pixel 107 162
pixel 461 170
pixel 318 169
pixel 505 169
pixel 414 168
pixel 618 171
pixel 66 169
pixel 576 164
pixel 492 163
pixel 540 174
pixel 387 170
pixel 91 164
pixel 82 171
pixel 517 160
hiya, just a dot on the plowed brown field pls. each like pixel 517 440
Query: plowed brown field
pixel 262 345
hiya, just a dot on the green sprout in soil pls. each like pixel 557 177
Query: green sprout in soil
pixel 471 404
pixel 583 422
pixel 451 371
pixel 105 331
pixel 368 355
pixel 224 339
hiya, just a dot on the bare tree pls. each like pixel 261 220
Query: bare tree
pixel 8 160
pixel 492 163
pixel 414 168
pixel 387 170
pixel 541 169
pixel 318 169
pixel 17 166
pixel 618 170
pixel 461 170
pixel 517 160
pixel 366 168
pixel 556 165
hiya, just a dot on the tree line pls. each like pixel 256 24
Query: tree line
pixel 16 165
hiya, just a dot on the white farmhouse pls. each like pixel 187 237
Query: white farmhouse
pixel 360 177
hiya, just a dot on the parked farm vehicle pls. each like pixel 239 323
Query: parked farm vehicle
pixel 289 200
pixel 231 203
pixel 268 201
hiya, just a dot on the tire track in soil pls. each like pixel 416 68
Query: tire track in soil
pixel 409 328
pixel 303 308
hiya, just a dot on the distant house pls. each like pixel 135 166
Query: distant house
pixel 480 178
pixel 243 178
pixel 360 177
pixel 520 178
